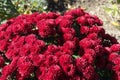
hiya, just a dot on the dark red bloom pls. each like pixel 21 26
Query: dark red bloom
pixel 116 61
pixel 111 39
pixel 91 21
pixel 25 67
pixel 59 53
pixel 89 55
pixel 98 21
pixel 3 27
pixel 115 47
pixel 41 72
pixel 18 42
pixel 18 27
pixel 65 60
pixel 69 17
pixel 82 21
pixel 117 68
pixel 75 77
pixel 69 31
pixel 52 15
pixel 81 63
pixel 116 76
pixel 6 71
pixel 11 53
pixel 69 69
pixel 99 50
pixel 68 37
pixel 58 20
pixel 30 39
pixel 75 12
pixel 2 61
pixel 87 43
pixel 54 73
pixel 92 36
pixel 69 45
pixel 113 56
pixel 65 23
pixel 51 23
pixel 37 59
pixel 99 30
pixel 84 29
pixel 101 60
pixel 45 31
pixel 51 60
pixel 40 17
pixel 3 45
pixel 51 46
pixel 9 69
pixel 89 73
pixel 25 50
pixel 2 33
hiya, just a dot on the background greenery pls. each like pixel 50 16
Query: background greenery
pixel 12 8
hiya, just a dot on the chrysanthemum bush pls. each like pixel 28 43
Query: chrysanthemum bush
pixel 50 46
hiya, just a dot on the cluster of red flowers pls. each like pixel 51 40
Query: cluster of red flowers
pixel 50 46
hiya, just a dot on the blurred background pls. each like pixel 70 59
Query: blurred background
pixel 107 10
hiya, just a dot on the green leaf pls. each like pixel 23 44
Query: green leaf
pixel 115 7
pixel 104 74
pixel 75 56
pixel 118 1
pixel 108 10
pixel 7 10
pixel 34 3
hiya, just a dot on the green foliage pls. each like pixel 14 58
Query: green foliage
pixel 75 56
pixel 12 8
pixel 29 6
pixel 104 74
pixel 114 12
pixel 118 1
pixel 7 10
